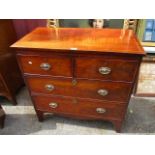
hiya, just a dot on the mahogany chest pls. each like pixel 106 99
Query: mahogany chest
pixel 80 73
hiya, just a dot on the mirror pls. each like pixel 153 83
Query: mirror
pixel 84 23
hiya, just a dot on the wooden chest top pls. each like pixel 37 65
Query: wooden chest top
pixel 81 39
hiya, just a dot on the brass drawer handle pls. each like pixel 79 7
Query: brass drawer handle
pixel 104 70
pixel 102 92
pixel 100 110
pixel 45 66
pixel 53 105
pixel 49 87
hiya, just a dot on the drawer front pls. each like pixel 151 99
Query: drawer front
pixel 113 91
pixel 106 69
pixel 53 65
pixel 83 107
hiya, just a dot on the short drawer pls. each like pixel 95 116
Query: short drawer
pixel 106 69
pixel 80 107
pixel 113 91
pixel 46 65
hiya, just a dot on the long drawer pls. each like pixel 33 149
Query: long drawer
pixel 112 91
pixel 48 65
pixel 106 69
pixel 80 107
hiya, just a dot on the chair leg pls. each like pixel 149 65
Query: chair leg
pixel 2 118
pixel 12 98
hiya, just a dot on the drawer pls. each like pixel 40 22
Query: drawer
pixel 114 91
pixel 79 107
pixel 50 65
pixel 106 69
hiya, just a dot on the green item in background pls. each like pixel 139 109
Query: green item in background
pixel 141 29
pixel 116 23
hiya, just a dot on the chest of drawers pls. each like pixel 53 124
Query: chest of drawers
pixel 80 73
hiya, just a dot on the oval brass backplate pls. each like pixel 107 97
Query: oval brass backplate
pixel 45 66
pixel 49 87
pixel 104 70
pixel 100 110
pixel 53 105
